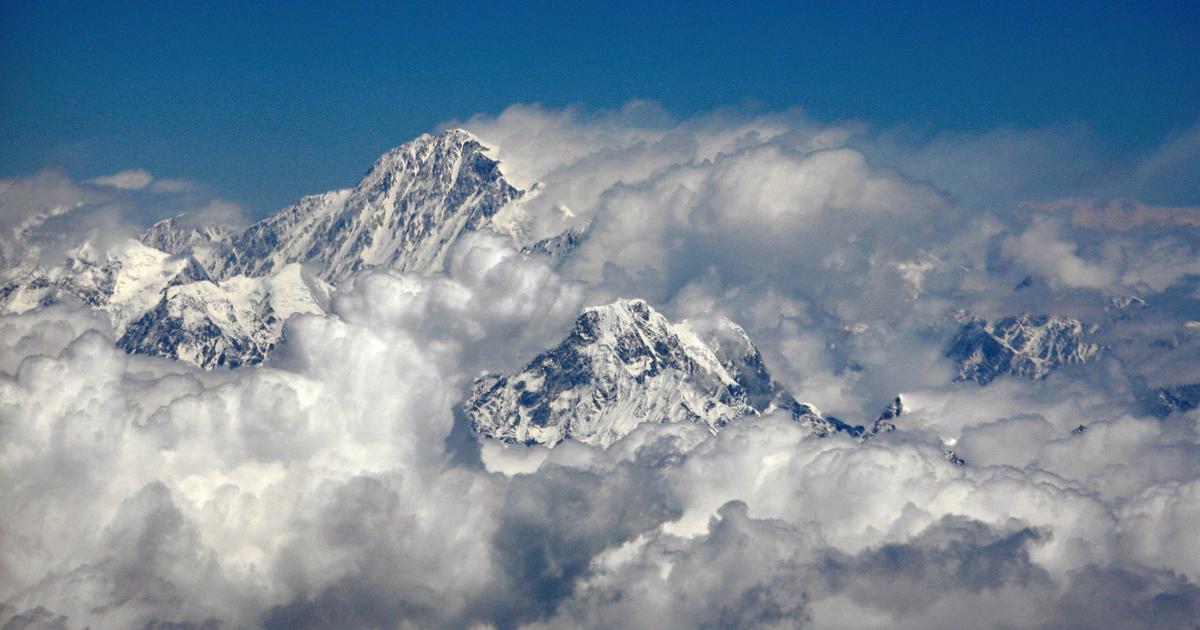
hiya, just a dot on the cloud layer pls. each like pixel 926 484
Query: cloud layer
pixel 335 486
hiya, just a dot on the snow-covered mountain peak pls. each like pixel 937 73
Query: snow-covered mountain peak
pixel 623 364
pixel 449 145
pixel 629 326
pixel 234 322
pixel 1027 345
pixel 176 235
pixel 885 423
pixel 406 214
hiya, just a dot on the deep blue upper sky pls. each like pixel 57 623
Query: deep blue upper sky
pixel 269 102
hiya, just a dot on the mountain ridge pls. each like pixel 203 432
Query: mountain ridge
pixel 405 214
pixel 209 304
pixel 1026 345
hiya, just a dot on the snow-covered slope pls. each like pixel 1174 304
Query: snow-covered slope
pixel 175 236
pixel 1029 345
pixel 405 214
pixel 232 323
pixel 624 364
pixel 124 281
pixel 167 305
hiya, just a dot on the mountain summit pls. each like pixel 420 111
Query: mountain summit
pixel 624 364
pixel 405 214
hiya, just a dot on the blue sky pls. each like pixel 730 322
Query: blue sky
pixel 268 102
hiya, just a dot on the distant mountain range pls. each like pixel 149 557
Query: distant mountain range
pixel 219 297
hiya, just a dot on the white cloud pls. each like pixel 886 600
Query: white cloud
pixel 28 202
pixel 134 179
pixel 322 489
pixel 46 215
pixel 1043 249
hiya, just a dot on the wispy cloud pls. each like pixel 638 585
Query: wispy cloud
pixel 125 180
pixel 1120 214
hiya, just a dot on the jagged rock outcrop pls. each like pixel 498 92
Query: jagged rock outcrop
pixel 559 246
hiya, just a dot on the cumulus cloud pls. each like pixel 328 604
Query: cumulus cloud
pixel 335 486
pixel 322 492
pixel 27 202
pixel 1044 249
pixel 872 238
pixel 1146 264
